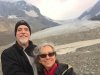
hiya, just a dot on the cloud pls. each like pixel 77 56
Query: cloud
pixel 62 9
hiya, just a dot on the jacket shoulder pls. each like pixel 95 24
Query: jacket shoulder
pixel 64 66
pixel 8 50
pixel 65 69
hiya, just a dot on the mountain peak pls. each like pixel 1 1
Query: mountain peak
pixel 93 13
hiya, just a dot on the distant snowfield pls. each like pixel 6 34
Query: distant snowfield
pixel 66 48
pixel 77 26
pixel 69 28
pixel 71 47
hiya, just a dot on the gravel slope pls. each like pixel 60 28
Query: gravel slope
pixel 85 60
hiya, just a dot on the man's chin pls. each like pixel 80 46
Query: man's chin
pixel 23 42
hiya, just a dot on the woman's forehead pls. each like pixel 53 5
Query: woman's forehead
pixel 46 48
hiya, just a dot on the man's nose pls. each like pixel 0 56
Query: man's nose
pixel 23 31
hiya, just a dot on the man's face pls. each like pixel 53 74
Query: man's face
pixel 22 35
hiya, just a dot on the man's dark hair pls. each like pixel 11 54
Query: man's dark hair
pixel 22 22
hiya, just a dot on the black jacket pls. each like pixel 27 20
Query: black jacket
pixel 62 69
pixel 15 62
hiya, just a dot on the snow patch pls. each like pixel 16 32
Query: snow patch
pixel 31 13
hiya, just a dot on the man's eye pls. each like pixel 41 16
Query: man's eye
pixel 26 29
pixel 19 29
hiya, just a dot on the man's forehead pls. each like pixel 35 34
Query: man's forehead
pixel 22 26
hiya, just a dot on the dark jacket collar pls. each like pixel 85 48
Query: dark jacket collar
pixel 61 68
pixel 28 50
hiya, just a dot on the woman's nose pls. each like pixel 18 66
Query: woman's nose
pixel 47 57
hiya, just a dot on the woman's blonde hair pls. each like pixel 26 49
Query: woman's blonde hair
pixel 37 49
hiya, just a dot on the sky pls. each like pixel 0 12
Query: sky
pixel 62 9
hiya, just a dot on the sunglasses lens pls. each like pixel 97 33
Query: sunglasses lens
pixel 49 54
pixel 43 55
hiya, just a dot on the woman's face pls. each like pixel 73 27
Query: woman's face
pixel 47 57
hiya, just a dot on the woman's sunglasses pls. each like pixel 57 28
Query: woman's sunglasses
pixel 49 54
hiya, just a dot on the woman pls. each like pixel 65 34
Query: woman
pixel 47 63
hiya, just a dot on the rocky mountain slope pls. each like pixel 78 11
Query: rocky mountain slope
pixel 93 13
pixel 11 12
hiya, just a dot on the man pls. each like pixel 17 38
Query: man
pixel 16 59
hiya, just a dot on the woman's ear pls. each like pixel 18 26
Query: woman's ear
pixel 39 60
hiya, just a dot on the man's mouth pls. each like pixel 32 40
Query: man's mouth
pixel 23 36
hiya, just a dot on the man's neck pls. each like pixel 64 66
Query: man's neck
pixel 24 45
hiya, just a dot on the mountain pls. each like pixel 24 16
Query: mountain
pixel 93 13
pixel 17 9
pixel 68 33
pixel 11 12
pixel 22 10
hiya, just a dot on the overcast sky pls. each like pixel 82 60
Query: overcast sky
pixel 62 9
